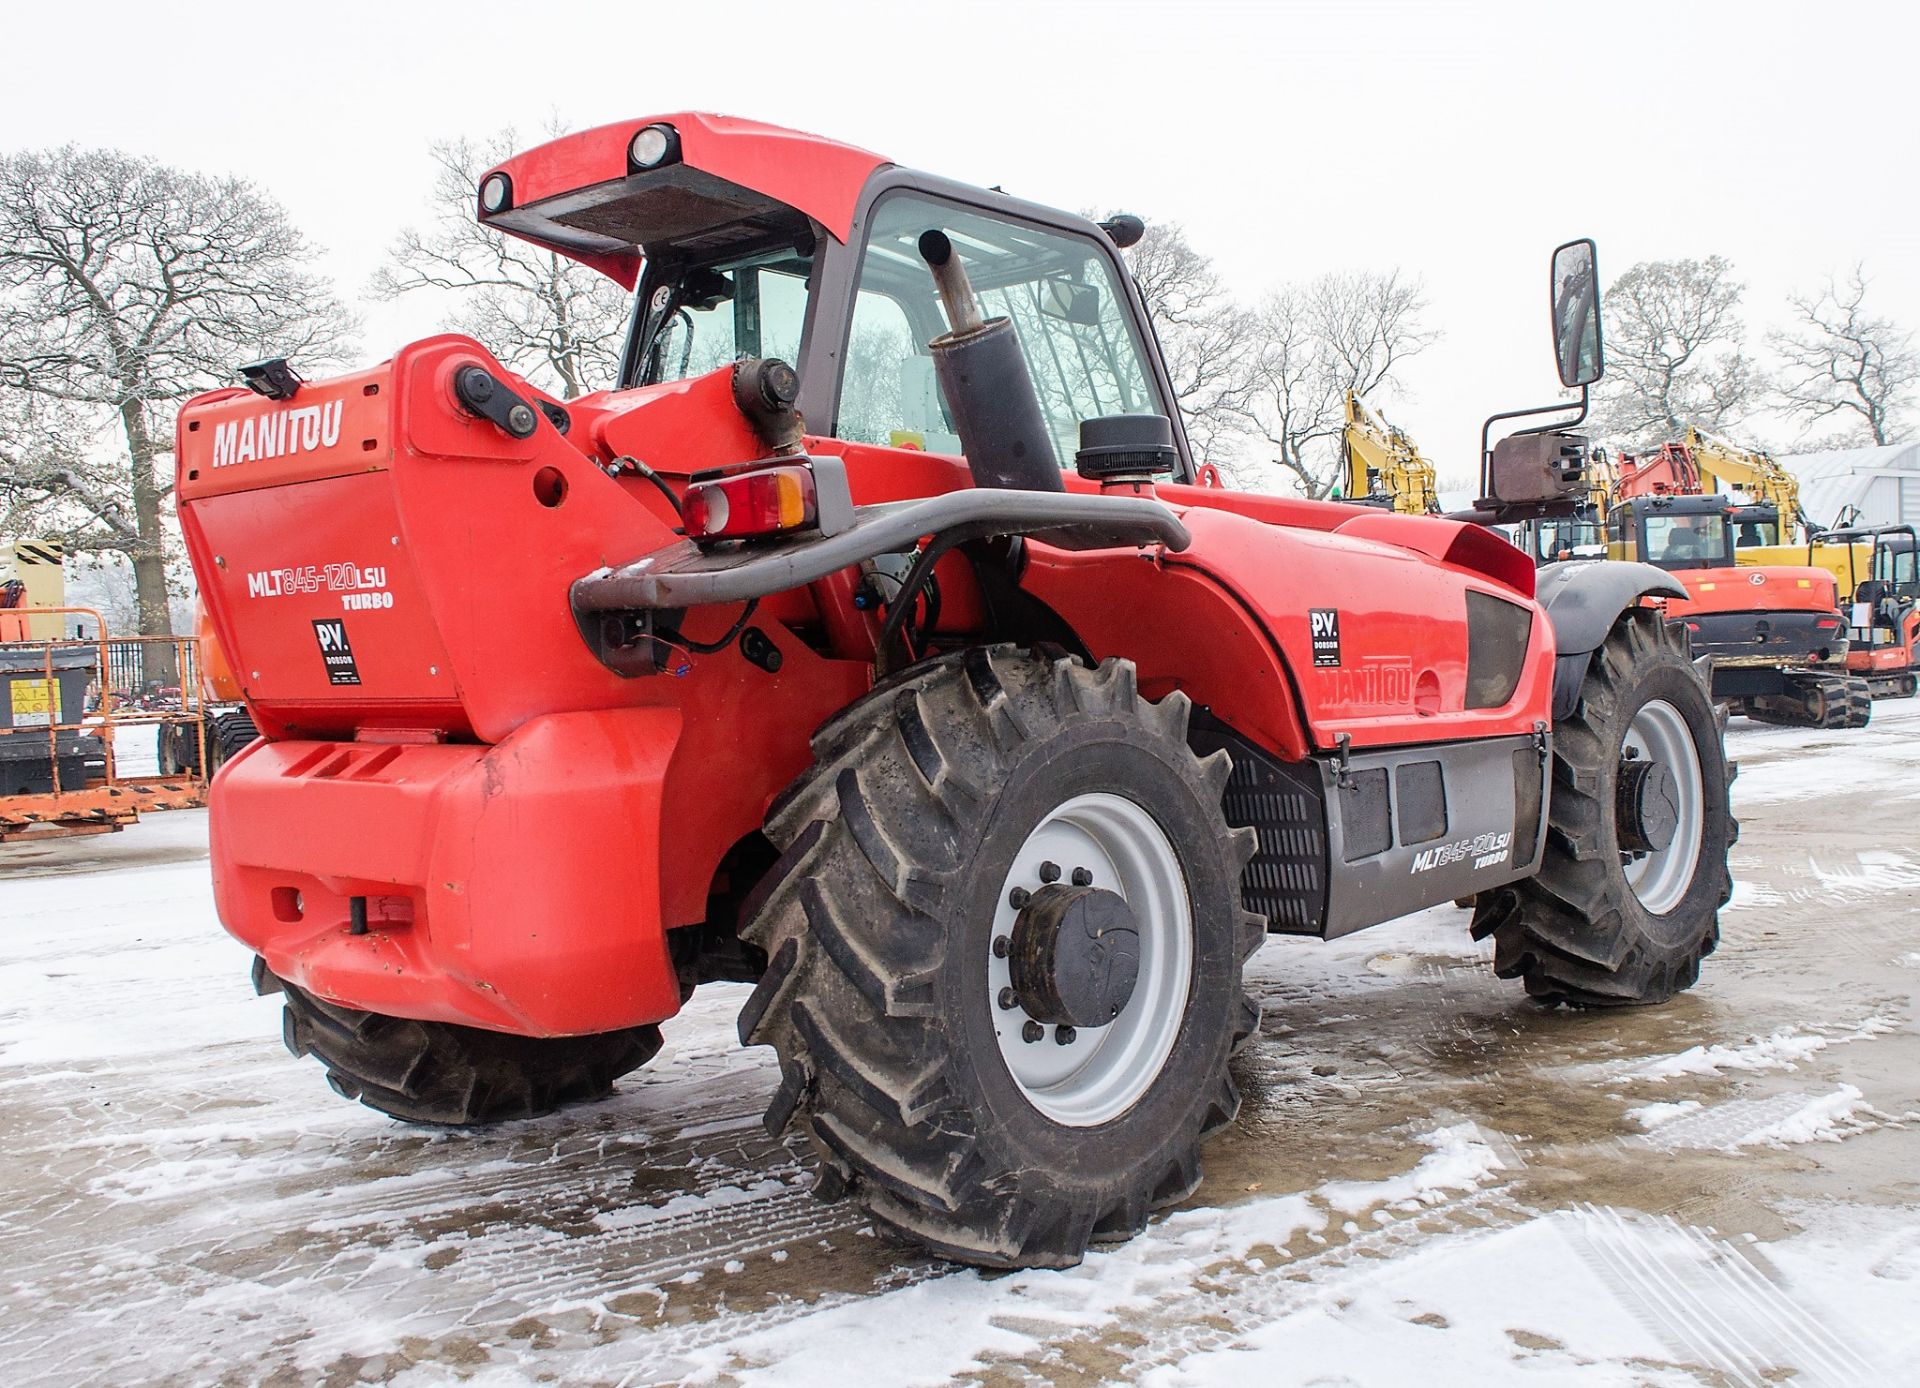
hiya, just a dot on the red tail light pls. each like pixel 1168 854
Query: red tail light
pixel 766 501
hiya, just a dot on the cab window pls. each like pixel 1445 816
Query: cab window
pixel 702 317
pixel 1698 541
pixel 1620 536
pixel 1060 292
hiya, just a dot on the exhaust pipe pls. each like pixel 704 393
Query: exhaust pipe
pixel 987 388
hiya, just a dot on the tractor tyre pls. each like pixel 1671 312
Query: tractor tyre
pixel 178 753
pixel 1627 900
pixel 453 1076
pixel 1005 944
pixel 227 736
pixel 176 749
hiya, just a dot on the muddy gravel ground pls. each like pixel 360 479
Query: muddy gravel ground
pixel 1431 1180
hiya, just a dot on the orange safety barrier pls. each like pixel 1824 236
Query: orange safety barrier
pixel 64 704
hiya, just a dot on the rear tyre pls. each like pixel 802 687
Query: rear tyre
pixel 455 1076
pixel 177 749
pixel 178 753
pixel 228 735
pixel 915 987
pixel 1627 899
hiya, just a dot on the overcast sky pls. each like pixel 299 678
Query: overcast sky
pixel 1461 142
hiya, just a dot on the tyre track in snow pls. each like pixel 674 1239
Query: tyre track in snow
pixel 1228 1299
pixel 1714 1302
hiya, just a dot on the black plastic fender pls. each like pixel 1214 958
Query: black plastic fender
pixel 1583 598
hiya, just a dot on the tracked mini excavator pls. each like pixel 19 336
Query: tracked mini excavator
pixel 988 768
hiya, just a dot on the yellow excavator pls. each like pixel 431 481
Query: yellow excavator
pixel 1771 528
pixel 1385 468
pixel 1725 464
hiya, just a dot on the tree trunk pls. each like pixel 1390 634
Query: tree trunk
pixel 158 665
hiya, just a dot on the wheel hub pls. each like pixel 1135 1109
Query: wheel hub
pixel 1075 956
pixel 1648 811
pixel 1099 902
pixel 1660 809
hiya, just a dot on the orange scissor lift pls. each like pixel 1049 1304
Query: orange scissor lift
pixel 65 705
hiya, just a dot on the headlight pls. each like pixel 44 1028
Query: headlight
pixel 652 146
pixel 495 193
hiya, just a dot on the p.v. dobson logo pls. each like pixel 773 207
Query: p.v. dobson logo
pixel 335 653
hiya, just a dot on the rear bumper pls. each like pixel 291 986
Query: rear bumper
pixel 513 887
pixel 1766 638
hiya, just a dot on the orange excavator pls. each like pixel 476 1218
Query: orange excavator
pixel 1775 633
pixel 1884 622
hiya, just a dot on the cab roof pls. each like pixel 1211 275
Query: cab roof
pixel 580 195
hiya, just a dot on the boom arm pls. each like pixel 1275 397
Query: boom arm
pixel 1753 472
pixel 1385 466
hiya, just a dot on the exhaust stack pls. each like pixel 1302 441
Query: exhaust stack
pixel 984 379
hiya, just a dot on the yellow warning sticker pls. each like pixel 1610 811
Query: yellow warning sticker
pixel 32 703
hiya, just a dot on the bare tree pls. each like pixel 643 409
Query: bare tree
pixel 1205 337
pixel 125 287
pixel 1674 357
pixel 1317 341
pixel 538 311
pixel 1843 361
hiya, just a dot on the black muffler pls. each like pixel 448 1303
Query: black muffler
pixel 985 382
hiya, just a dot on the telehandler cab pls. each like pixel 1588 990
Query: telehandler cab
pixel 924 683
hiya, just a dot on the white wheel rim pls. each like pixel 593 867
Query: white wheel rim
pixel 1659 879
pixel 1106 1069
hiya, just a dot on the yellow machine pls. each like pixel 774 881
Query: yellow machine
pixel 32 575
pixel 1724 463
pixel 1385 468
pixel 1785 537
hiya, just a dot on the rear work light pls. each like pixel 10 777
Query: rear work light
pixel 746 505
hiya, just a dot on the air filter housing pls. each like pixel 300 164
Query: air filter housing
pixel 1118 447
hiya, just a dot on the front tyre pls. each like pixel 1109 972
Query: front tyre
pixel 1005 942
pixel 1626 903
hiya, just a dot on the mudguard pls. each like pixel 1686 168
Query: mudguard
pixel 1583 599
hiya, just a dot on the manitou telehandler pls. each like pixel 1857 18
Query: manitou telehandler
pixel 989 768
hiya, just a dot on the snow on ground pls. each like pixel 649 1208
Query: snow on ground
pixel 1430 1180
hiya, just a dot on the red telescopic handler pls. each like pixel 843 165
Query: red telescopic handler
pixel 876 639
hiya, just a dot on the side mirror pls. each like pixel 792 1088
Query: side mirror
pixel 1576 314
pixel 1074 303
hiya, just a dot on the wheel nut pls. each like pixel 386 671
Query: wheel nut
pixel 1009 999
pixel 1065 1035
pixel 1049 872
pixel 1002 946
pixel 1082 877
pixel 1032 1031
pixel 1018 897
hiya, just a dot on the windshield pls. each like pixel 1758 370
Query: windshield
pixel 700 317
pixel 1698 541
pixel 1566 539
pixel 1893 564
pixel 1755 526
pixel 1067 307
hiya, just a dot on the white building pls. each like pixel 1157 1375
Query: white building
pixel 1883 484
